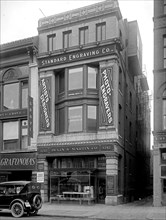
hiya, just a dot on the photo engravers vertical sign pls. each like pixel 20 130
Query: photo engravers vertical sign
pixel 106 93
pixel 45 104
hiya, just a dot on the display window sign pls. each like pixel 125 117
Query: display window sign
pixel 45 104
pixel 106 96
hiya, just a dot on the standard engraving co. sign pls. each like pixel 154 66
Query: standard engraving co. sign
pixel 19 161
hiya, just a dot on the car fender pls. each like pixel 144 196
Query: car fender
pixel 17 200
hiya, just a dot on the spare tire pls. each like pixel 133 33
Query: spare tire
pixel 37 202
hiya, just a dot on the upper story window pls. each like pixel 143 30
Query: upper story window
pixel 61 81
pixel 92 118
pixel 164 51
pixel 15 92
pixel 67 39
pixel 50 42
pixel 75 119
pixel 92 77
pixel 164 109
pixel 75 78
pixel 101 31
pixel 83 35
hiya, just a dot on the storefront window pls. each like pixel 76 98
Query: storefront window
pixel 92 118
pixel 11 96
pixel 73 185
pixel 75 80
pixel 75 119
pixel 92 78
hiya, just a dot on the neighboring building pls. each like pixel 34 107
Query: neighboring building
pixel 92 92
pixel 159 149
pixel 18 109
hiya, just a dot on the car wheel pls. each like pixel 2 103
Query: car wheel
pixel 17 210
pixel 37 202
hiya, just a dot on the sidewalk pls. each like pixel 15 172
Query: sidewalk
pixel 139 210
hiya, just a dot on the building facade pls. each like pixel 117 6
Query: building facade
pixel 18 110
pixel 159 149
pixel 90 72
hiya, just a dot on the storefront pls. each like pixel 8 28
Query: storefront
pixel 86 177
pixel 17 166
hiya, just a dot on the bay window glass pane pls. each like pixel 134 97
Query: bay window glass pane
pixel 10 130
pixel 75 78
pixel 11 96
pixel 61 82
pixel 61 120
pixel 75 119
pixel 92 78
pixel 91 120
pixel 24 94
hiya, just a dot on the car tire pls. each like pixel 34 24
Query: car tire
pixel 17 210
pixel 37 202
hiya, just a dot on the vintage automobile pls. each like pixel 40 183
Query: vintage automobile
pixel 20 197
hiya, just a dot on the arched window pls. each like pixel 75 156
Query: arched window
pixel 164 109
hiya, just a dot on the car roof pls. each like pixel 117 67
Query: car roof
pixel 15 183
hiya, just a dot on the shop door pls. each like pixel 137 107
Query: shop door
pixel 101 186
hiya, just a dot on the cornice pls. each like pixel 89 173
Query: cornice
pixel 80 14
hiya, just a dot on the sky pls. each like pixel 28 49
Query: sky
pixel 19 20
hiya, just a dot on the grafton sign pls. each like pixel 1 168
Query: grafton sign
pixel 25 161
pixel 76 56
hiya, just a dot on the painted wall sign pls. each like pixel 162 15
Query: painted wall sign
pixel 106 94
pixel 76 56
pixel 73 149
pixel 45 104
pixel 30 116
pixel 13 114
pixel 19 161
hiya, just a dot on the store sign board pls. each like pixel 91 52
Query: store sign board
pixel 13 114
pixel 19 161
pixel 45 104
pixel 73 149
pixel 106 96
pixel 76 56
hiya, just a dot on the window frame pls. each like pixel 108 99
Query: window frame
pixel 68 118
pixel 100 33
pixel 50 42
pixel 83 35
pixel 87 118
pixel 82 75
pixel 67 39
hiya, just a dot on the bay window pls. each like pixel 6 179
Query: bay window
pixel 92 118
pixel 75 119
pixel 92 78
pixel 75 79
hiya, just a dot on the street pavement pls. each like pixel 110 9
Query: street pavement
pixel 138 210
